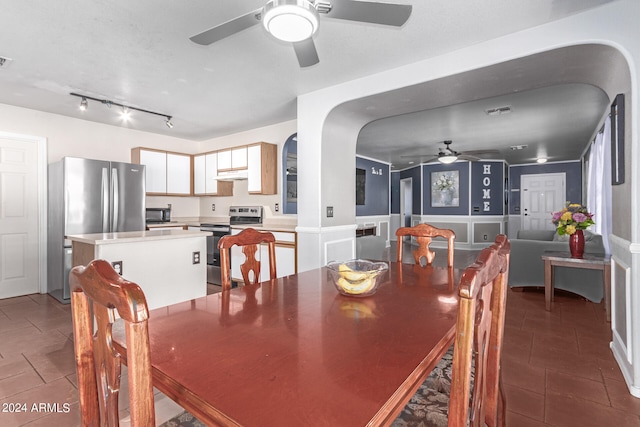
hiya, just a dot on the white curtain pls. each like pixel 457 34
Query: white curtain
pixel 599 182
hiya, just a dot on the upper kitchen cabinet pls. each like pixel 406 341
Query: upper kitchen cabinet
pixel 232 159
pixel 168 173
pixel 205 172
pixel 262 168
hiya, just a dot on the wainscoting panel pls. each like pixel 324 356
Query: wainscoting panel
pixel 337 250
pixel 620 305
pixel 625 323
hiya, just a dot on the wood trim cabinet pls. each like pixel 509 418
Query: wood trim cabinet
pixel 262 168
pixel 167 173
pixel 205 169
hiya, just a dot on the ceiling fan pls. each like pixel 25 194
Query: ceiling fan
pixel 449 155
pixel 296 21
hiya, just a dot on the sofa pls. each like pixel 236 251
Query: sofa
pixel 527 268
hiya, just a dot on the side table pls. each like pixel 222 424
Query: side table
pixel 588 261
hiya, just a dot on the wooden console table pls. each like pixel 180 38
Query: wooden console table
pixel 588 261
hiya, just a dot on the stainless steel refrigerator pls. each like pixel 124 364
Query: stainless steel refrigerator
pixel 85 197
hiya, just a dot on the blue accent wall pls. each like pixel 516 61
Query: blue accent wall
pixel 395 192
pixel 376 194
pixel 487 184
pixel 463 189
pixel 573 171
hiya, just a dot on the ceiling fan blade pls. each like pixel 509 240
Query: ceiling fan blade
pixel 228 28
pixel 467 157
pixel 306 52
pixel 375 13
pixel 474 152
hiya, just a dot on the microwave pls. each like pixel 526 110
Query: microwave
pixel 158 215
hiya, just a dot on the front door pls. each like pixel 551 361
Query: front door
pixel 541 194
pixel 19 217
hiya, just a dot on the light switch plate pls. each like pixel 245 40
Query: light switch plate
pixel 117 266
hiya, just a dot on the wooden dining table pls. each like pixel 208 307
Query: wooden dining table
pixel 293 351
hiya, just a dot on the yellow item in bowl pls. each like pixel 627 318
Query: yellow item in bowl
pixel 357 287
pixel 351 275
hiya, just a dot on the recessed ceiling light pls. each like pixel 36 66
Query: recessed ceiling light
pixel 542 160
pixel 499 110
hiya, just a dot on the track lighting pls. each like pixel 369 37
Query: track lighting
pixel 126 109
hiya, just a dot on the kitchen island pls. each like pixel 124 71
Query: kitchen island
pixel 169 265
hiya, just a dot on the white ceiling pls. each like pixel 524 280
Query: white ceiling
pixel 138 53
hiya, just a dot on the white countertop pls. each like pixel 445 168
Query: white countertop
pixel 136 236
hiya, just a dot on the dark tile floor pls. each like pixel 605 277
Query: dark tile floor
pixel 558 369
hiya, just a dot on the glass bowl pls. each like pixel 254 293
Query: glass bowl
pixel 357 277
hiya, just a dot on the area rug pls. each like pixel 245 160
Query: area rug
pixel 185 419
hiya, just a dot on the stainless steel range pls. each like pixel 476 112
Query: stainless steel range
pixel 245 215
pixel 238 215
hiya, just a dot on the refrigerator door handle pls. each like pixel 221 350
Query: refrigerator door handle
pixel 116 198
pixel 105 200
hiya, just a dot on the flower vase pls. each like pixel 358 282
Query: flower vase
pixel 576 244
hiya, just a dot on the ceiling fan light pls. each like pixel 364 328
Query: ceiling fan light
pixel 290 20
pixel 447 158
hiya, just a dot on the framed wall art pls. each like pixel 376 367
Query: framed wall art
pixel 445 189
pixel 617 140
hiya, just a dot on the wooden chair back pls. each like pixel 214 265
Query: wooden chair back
pixel 424 233
pixel 96 292
pixel 249 239
pixel 478 340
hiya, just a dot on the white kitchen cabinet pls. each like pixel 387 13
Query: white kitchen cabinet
pixel 224 160
pixel 199 174
pixel 166 172
pixel 239 158
pixel 205 169
pixel 155 170
pixel 179 174
pixel 262 168
pixel 232 159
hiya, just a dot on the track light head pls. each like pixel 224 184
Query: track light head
pixel 125 114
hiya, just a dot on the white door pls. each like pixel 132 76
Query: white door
pixel 541 195
pixel 20 260
pixel 406 202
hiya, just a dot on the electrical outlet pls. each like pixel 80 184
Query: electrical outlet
pixel 196 257
pixel 117 266
pixel 277 207
pixel 329 211
pixel 213 207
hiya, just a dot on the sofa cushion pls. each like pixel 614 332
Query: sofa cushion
pixel 559 238
pixel 546 235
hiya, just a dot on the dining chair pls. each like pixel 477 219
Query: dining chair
pixel 464 389
pixel 98 293
pixel 424 233
pixel 249 239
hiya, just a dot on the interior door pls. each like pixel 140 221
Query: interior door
pixel 406 203
pixel 541 194
pixel 19 238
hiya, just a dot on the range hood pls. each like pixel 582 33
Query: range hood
pixel 232 175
